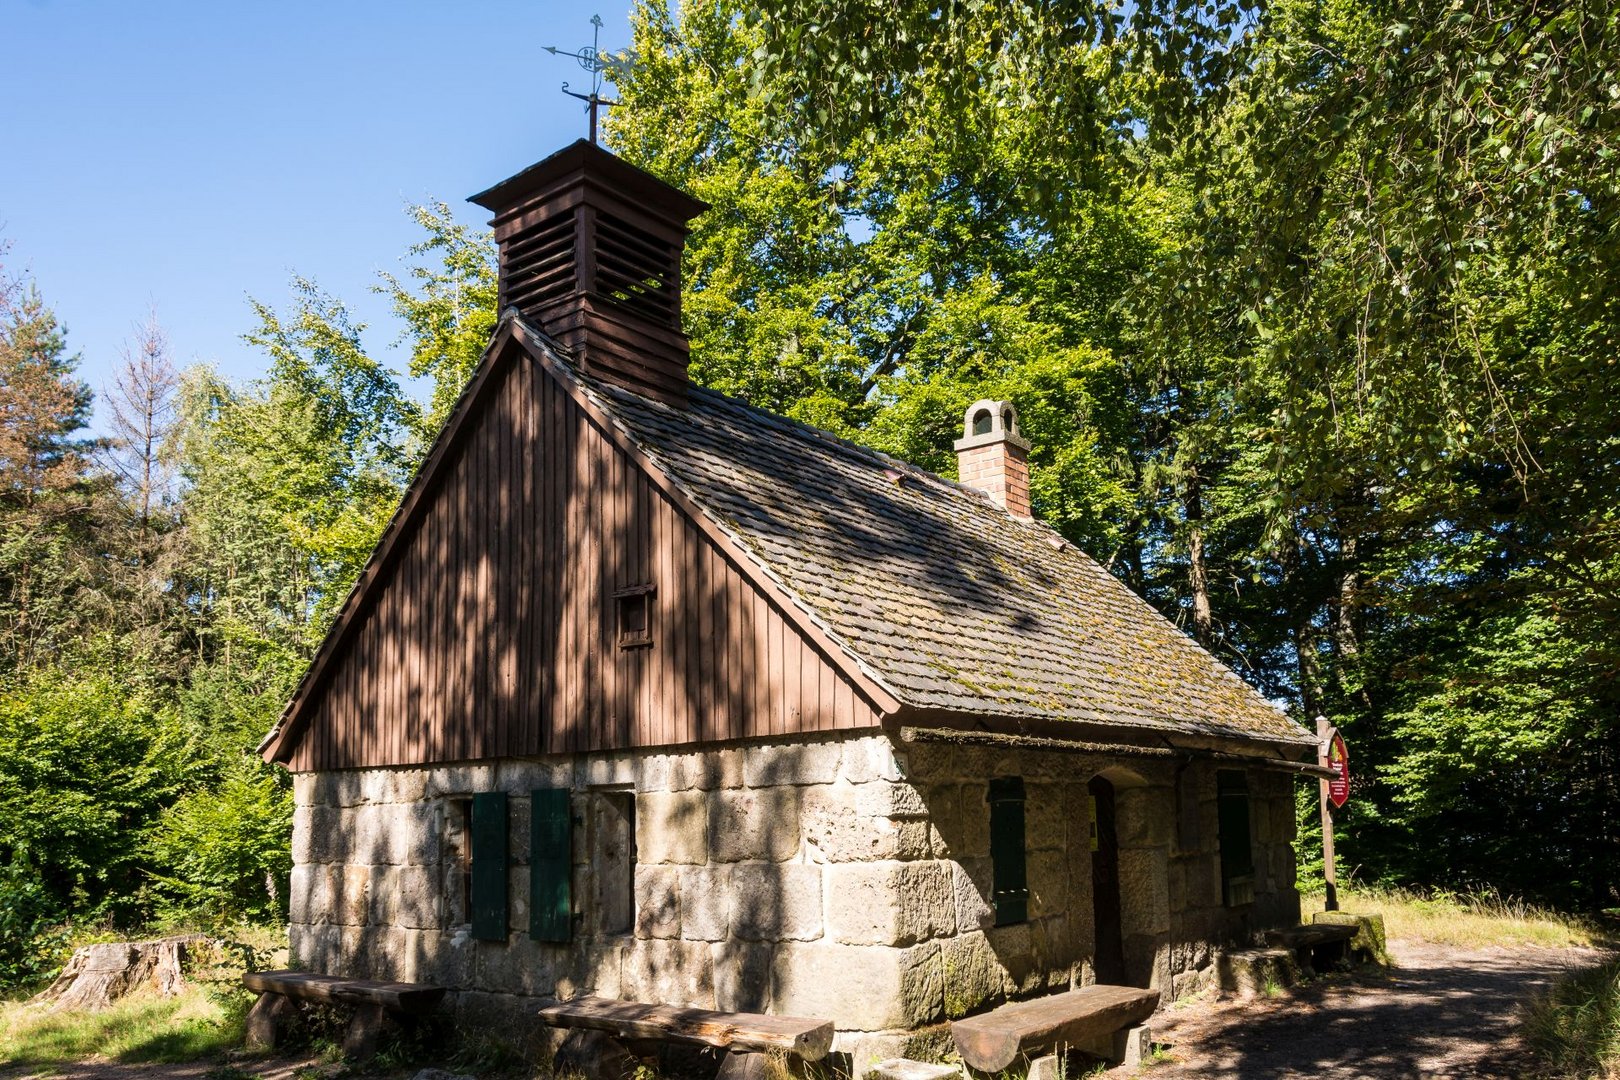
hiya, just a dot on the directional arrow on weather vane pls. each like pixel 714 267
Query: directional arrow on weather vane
pixel 594 60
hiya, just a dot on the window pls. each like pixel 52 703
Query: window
pixel 1237 854
pixel 613 858
pixel 633 616
pixel 458 872
pixel 1009 887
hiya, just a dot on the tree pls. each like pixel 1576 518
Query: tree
pixel 450 319
pixel 142 416
pixel 1341 276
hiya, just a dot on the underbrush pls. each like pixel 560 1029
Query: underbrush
pixel 1467 919
pixel 198 1022
pixel 1574 1029
pixel 203 1020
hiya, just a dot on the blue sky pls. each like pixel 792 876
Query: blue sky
pixel 188 155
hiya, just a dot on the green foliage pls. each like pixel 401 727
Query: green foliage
pixel 226 848
pixel 85 768
pixel 138 1028
pixel 30 942
pixel 449 320
pixel 1574 1028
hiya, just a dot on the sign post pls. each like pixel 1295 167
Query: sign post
pixel 1331 754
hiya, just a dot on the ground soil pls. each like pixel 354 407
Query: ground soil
pixel 1441 1012
pixel 274 1068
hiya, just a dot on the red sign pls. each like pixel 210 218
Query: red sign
pixel 1339 762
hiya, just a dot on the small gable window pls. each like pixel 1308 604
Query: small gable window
pixel 633 608
pixel 1009 886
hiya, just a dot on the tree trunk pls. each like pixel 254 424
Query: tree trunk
pixel 1309 665
pixel 1192 503
pixel 98 975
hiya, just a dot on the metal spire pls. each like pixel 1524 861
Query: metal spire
pixel 598 63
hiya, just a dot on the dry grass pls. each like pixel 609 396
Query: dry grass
pixel 142 1027
pixel 1574 1029
pixel 1468 920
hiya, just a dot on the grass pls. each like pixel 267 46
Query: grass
pixel 1469 919
pixel 142 1027
pixel 1574 1029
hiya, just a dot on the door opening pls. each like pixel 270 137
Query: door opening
pixel 1108 963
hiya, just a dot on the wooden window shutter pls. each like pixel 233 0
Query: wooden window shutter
pixel 551 831
pixel 1237 854
pixel 1009 886
pixel 489 824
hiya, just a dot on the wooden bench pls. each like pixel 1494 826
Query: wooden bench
pixel 1317 946
pixel 374 1004
pixel 1086 1019
pixel 746 1037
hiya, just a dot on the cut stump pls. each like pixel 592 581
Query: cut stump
pixel 98 975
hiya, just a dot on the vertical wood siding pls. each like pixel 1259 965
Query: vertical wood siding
pixel 493 633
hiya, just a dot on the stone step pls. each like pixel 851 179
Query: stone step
pixel 1253 972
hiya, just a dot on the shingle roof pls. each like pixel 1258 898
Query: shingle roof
pixel 940 594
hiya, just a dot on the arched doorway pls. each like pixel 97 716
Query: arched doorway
pixel 1108 962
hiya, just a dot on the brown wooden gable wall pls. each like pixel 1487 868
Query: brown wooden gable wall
pixel 493 632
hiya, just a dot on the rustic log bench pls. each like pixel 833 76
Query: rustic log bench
pixel 1317 946
pixel 1088 1019
pixel 374 1004
pixel 747 1038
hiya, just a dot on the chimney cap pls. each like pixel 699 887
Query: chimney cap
pixel 586 159
pixel 987 422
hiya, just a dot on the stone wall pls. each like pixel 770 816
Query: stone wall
pixel 838 878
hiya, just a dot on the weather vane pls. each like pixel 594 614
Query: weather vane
pixel 594 60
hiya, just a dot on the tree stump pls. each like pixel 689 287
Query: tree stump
pixel 98 975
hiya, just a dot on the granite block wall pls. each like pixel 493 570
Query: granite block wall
pixel 844 877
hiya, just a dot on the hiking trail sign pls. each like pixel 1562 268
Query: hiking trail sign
pixel 1338 759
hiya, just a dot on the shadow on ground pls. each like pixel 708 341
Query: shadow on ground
pixel 1441 1013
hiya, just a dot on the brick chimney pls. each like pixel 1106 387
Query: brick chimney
pixel 590 252
pixel 993 456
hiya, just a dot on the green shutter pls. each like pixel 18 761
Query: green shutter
pixel 1009 886
pixel 489 866
pixel 550 864
pixel 1237 855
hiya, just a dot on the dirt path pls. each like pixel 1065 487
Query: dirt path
pixel 1441 1013
pixel 276 1068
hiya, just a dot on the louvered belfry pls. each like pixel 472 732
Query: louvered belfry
pixel 590 252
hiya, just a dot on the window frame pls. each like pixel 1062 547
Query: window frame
pixel 622 600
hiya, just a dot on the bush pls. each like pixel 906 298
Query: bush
pixel 226 851
pixel 1574 1029
pixel 32 945
pixel 86 766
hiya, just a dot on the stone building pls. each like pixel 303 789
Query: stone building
pixel 648 693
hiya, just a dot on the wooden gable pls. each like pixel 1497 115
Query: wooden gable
pixel 488 625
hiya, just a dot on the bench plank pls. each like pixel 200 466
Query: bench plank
pixel 807 1038
pixel 993 1041
pixel 413 998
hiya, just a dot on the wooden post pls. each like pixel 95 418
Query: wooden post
pixel 1324 740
